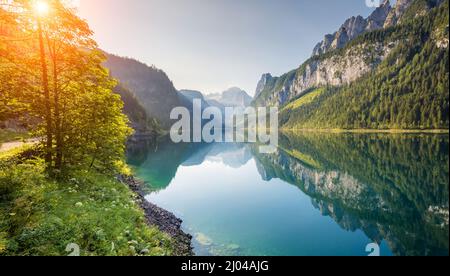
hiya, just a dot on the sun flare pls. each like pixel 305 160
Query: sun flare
pixel 41 8
pixel 76 3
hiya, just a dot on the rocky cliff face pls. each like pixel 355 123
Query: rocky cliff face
pixel 384 16
pixel 397 12
pixel 335 70
pixel 265 79
pixel 378 17
pixel 339 70
pixel 336 61
pixel 353 27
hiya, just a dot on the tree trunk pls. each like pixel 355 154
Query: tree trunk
pixel 48 111
pixel 58 127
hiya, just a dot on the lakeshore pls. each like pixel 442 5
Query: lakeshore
pixel 162 219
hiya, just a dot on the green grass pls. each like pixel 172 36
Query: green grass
pixel 7 156
pixel 10 135
pixel 306 99
pixel 40 216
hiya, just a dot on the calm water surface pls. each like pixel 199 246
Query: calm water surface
pixel 319 194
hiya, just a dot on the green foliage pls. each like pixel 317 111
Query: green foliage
pixel 95 131
pixel 52 72
pixel 39 216
pixel 12 135
pixel 409 90
pixel 303 100
pixel 417 8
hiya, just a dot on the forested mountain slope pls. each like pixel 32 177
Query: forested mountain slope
pixel 136 113
pixel 392 77
pixel 151 87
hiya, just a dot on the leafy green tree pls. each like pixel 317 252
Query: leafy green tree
pixel 48 51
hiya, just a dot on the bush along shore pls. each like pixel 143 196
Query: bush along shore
pixel 95 211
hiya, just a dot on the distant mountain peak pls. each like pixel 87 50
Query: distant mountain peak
pixel 232 97
pixel 233 90
pixel 383 16
pixel 265 78
pixel 377 19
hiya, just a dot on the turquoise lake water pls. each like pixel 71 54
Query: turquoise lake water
pixel 318 194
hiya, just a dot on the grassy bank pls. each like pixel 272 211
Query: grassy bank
pixel 39 216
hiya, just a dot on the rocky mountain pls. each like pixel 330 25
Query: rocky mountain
pixel 151 87
pixel 355 26
pixel 405 9
pixel 336 70
pixel 329 66
pixel 395 15
pixel 233 97
pixel 384 16
pixel 391 43
pixel 188 96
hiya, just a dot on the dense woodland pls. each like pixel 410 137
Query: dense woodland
pixel 408 90
pixel 52 70
pixel 59 191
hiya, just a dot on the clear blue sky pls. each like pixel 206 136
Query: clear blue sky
pixel 211 45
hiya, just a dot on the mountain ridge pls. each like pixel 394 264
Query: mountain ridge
pixel 421 27
pixel 328 67
pixel 150 85
pixel 353 27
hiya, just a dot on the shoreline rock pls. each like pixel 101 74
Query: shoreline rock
pixel 162 219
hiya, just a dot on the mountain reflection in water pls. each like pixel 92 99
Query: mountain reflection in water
pixel 386 188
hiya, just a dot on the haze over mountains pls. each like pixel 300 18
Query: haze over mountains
pixel 232 97
pixel 389 70
pixel 151 87
pixel 155 92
